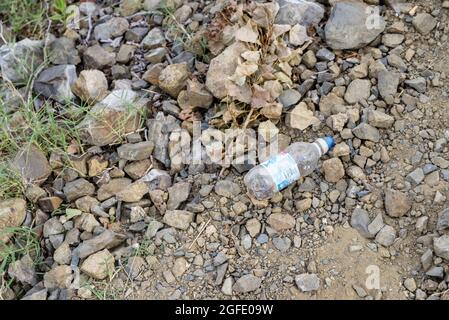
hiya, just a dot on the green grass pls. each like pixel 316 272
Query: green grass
pixel 25 17
pixel 11 184
pixel 25 242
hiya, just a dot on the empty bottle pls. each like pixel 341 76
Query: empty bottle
pixel 281 170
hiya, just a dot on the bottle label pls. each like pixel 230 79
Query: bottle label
pixel 282 169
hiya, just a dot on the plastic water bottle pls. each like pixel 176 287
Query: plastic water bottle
pixel 281 170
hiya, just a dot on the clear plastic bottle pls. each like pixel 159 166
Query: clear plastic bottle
pixel 281 170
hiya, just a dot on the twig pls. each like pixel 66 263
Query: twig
pixel 89 31
pixel 199 234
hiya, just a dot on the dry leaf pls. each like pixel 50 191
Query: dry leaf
pixel 279 29
pixel 301 117
pixel 240 93
pixel 252 56
pixel 282 77
pixel 264 14
pixel 260 97
pixel 272 111
pixel 286 68
pixel 274 87
pixel 247 34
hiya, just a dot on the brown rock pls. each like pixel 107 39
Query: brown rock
pixel 12 214
pixel 49 204
pixel 134 192
pixel 32 165
pixel 281 221
pixel 333 170
pixel 60 277
pixel 91 86
pixel 112 188
pixel 397 203
pixel 173 78
pixel 99 265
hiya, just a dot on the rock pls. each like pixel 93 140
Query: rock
pixel 441 246
pixel 183 13
pixel 135 266
pixel 113 117
pixel 443 220
pixel 419 84
pixel 12 214
pixel 328 102
pixel 358 89
pixel 36 294
pixel 31 163
pixel 159 130
pixel 392 40
pixel 154 39
pixel 153 72
pixel 78 188
pixel 156 55
pixel 226 289
pixel 196 96
pixel 379 119
pixel 347 27
pixel 137 169
pixel 366 132
pixel 298 35
pixel 151 5
pixel 410 284
pixel 376 225
pixel 253 226
pixel 133 192
pixel 333 170
pixel 96 57
pixel 107 239
pixel 62 51
pixel 91 86
pixel 55 82
pixel 427 259
pixel 112 188
pixel 282 244
pixel 23 270
pixel 114 27
pixel 307 282
pixel 416 176
pixel 360 221
pixel 129 7
pixel 281 221
pixel 60 277
pixel 226 188
pixel 303 205
pixel 136 151
pixel 49 204
pixel 153 228
pixel 221 67
pixel 325 55
pixel 301 117
pixel 174 78
pixel 99 266
pixel 397 203
pixel 18 61
pixel 289 97
pixel 177 194
pixel 158 179
pixel 387 83
pixel 386 236
pixel 247 283
pixel 436 272
pixel 424 23
pixel 53 227
pixel 63 254
pixel 301 12
pixel 180 266
pixel 179 219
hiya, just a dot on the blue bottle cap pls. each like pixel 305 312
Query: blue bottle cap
pixel 330 142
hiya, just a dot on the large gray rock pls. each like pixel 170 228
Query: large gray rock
pixel 299 12
pixel 55 82
pixel 358 90
pixel 386 236
pixel 18 61
pixel 366 132
pixel 112 118
pixel 221 67
pixel 349 26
